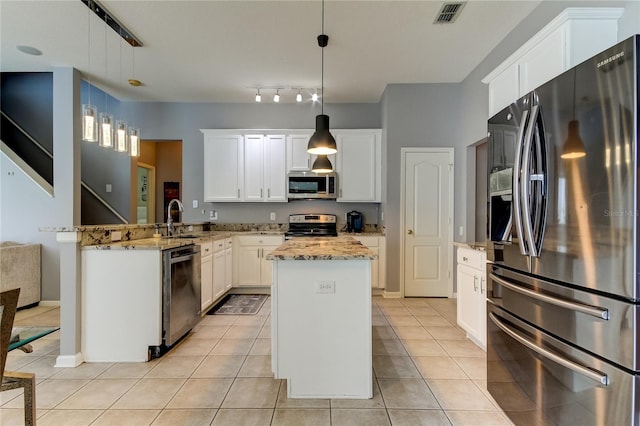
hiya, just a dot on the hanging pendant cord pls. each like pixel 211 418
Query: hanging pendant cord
pixel 89 49
pixel 106 100
pixel 322 67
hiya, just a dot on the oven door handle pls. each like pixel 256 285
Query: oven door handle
pixel 601 313
pixel 578 368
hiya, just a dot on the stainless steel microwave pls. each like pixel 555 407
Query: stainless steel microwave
pixel 305 185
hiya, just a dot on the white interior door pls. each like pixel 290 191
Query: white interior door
pixel 428 212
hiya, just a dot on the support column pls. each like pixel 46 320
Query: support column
pixel 66 183
pixel 70 299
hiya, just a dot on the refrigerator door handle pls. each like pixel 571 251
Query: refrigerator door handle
pixel 580 369
pixel 597 312
pixel 525 192
pixel 515 185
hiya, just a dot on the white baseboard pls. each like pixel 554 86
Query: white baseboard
pixel 69 361
pixel 392 295
pixel 49 303
pixel 454 296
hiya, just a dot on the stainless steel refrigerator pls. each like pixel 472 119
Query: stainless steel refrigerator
pixel 563 335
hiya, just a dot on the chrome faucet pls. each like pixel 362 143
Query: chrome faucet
pixel 169 219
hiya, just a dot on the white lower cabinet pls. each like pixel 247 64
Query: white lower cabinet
pixel 206 277
pixel 472 294
pixel 252 269
pixel 228 263
pixel 219 268
pixel 377 245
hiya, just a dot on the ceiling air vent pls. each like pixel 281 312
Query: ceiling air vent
pixel 449 12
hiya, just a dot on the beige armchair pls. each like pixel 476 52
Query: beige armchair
pixel 15 379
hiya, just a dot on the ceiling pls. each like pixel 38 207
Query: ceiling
pixel 220 51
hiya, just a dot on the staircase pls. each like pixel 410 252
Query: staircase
pixel 37 162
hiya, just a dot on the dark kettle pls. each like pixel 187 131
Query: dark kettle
pixel 355 221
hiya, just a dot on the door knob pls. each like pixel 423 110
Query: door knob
pixel 410 231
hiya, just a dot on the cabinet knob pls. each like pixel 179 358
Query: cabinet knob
pixel 410 231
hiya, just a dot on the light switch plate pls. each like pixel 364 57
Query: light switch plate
pixel 195 204
pixel 272 216
pixel 107 187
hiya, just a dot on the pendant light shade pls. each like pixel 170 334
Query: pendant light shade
pixel 134 142
pixel 89 123
pixel 121 136
pixel 322 141
pixel 573 147
pixel 106 130
pixel 322 164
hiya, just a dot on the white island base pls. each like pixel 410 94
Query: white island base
pixel 321 327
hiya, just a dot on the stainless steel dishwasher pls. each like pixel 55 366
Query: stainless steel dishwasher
pixel 180 292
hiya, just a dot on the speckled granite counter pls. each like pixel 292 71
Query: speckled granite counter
pixel 330 248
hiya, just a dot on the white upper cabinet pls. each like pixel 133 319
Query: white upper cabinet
pixel 359 165
pixel 245 167
pixel 573 36
pixel 253 168
pixel 298 159
pixel 223 173
pixel 275 168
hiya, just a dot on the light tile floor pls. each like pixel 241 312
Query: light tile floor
pixel 425 373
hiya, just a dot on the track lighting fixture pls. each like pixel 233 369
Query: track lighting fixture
pixel 299 96
pixel 258 96
pixel 276 97
pixel 314 97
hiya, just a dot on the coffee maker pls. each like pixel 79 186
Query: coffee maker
pixel 355 221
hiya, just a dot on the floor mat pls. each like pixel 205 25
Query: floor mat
pixel 239 304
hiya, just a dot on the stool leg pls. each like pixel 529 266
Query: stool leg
pixel 30 402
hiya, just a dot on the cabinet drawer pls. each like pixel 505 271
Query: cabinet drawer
pixel 472 258
pixel 218 245
pixel 206 248
pixel 260 240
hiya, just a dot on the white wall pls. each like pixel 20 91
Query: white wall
pixel 24 208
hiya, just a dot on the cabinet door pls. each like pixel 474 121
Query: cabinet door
pixel 206 286
pixel 219 264
pixel 468 289
pixel 543 62
pixel 266 268
pixel 358 166
pixel 482 310
pixel 223 155
pixel 253 168
pixel 275 168
pixel 504 89
pixel 249 265
pixel 228 269
pixel 298 159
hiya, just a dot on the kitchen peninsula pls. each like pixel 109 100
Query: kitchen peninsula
pixel 321 317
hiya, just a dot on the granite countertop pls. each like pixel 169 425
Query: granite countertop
pixel 320 248
pixel 162 243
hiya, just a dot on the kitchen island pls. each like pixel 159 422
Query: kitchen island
pixel 321 317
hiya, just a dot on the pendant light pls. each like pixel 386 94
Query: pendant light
pixel 106 119
pixel 134 132
pixel 122 138
pixel 322 164
pixel 89 112
pixel 573 147
pixel 322 141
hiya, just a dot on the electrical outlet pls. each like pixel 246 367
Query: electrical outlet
pixel 190 228
pixel 461 231
pixel 116 235
pixel 107 187
pixel 272 216
pixel 213 215
pixel 195 204
pixel 325 287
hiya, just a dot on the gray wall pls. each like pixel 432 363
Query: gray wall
pixel 183 121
